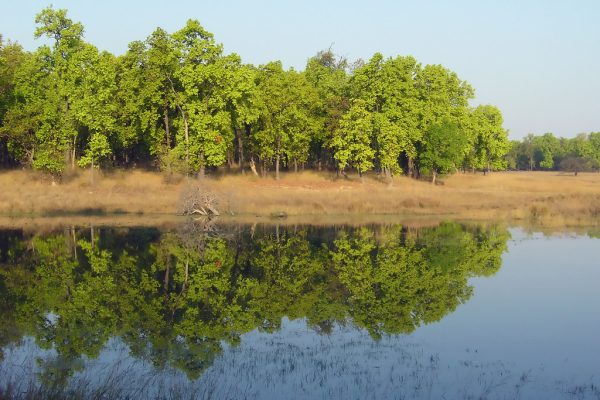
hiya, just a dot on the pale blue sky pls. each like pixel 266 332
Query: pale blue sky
pixel 539 61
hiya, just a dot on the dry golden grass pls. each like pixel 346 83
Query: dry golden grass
pixel 548 198
pixel 121 192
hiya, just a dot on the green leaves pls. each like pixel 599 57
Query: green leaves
pixel 286 123
pixel 177 99
pixel 443 148
pixel 352 140
pixel 489 139
pixel 98 148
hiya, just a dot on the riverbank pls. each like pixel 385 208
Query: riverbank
pixel 550 197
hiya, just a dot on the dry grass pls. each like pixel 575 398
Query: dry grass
pixel 549 198
pixel 120 192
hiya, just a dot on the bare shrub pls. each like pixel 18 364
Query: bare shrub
pixel 196 199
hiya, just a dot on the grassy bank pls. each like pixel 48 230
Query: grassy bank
pixel 546 196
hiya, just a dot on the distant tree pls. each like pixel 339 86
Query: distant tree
pixel 575 164
pixel 512 156
pixel 547 146
pixel 490 144
pixel 594 139
pixel 528 150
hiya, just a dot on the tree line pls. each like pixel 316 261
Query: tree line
pixel 178 102
pixel 548 152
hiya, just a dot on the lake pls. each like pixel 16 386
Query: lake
pixel 272 311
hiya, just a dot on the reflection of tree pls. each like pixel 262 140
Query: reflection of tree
pixel 405 279
pixel 175 297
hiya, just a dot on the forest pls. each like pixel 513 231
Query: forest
pixel 176 102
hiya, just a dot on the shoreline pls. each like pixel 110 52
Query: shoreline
pixel 135 197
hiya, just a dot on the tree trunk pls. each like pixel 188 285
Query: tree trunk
pixel 202 171
pixel 253 167
pixel 230 157
pixel 167 128
pixel 277 158
pixel 240 144
pixel 295 165
pixel 73 153
pixel 187 141
pixel 433 176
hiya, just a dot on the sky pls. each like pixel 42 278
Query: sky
pixel 538 61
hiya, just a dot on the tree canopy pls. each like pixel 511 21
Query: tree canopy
pixel 178 102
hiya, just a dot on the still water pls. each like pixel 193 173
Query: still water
pixel 277 312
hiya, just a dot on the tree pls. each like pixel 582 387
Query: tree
pixel 352 140
pixel 11 59
pixel 490 139
pixel 202 100
pixel 443 97
pixel 241 102
pixel 328 74
pixel 547 147
pixel 443 149
pixel 389 89
pixel 98 148
pixel 285 127
pixel 594 139
pixel 528 150
pixel 64 68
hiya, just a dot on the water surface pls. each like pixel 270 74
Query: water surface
pixel 208 311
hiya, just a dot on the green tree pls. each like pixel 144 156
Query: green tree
pixel 443 149
pixel 352 140
pixel 206 125
pixel 594 139
pixel 490 139
pixel 11 59
pixel 98 148
pixel 389 89
pixel 328 74
pixel 285 127
pixel 547 146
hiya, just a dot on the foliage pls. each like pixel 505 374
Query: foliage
pixel 351 141
pixel 178 102
pixel 581 153
pixel 443 149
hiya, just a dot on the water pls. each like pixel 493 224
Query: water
pixel 208 311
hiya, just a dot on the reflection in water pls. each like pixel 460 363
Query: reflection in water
pixel 177 299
